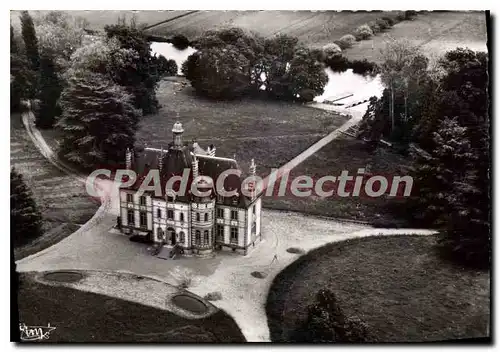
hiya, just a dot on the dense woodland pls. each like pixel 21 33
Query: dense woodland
pixel 95 89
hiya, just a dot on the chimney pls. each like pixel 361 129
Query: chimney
pixel 251 185
pixel 195 167
pixel 160 160
pixel 128 159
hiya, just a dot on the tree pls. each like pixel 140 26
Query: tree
pixel 219 73
pixel 165 67
pixel 453 166
pixel 21 76
pixel 140 77
pixel 59 35
pixel 98 120
pixel 50 90
pixel 25 218
pixel 30 40
pixel 327 322
pixel 398 58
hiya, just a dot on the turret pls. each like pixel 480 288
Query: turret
pixel 211 150
pixel 177 131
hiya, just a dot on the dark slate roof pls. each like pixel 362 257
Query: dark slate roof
pixel 176 160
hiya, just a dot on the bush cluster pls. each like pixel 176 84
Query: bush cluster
pixel 327 322
pixel 363 32
pixel 346 41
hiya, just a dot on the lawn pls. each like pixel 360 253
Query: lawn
pixel 315 28
pixel 62 200
pixel 270 132
pixel 87 317
pixel 435 32
pixel 348 154
pixel 397 285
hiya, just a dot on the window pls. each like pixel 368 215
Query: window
pixel 182 217
pixel 130 217
pixel 206 237
pixel 220 233
pixel 254 210
pixel 143 219
pixel 181 237
pixel 198 237
pixel 170 198
pixel 206 216
pixel 130 198
pixel 170 214
pixel 197 216
pixel 220 213
pixel 234 235
pixel 234 215
pixel 158 213
pixel 220 199
pixel 143 200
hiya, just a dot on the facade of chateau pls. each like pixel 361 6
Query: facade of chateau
pixel 195 225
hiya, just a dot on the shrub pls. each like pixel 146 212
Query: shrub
pixel 318 54
pixel 331 49
pixel 400 17
pixel 410 15
pixel 166 67
pixel 346 41
pixel 180 41
pixel 389 20
pixel 383 24
pixel 363 67
pixel 183 276
pixel 213 296
pixel 374 27
pixel 363 32
pixel 338 63
pixel 326 322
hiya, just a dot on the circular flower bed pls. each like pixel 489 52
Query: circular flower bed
pixel 190 303
pixel 63 276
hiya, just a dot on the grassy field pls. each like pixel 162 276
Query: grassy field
pixel 87 317
pixel 413 297
pixel 270 132
pixel 315 28
pixel 62 200
pixel 435 32
pixel 346 154
pixel 98 19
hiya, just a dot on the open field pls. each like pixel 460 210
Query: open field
pixel 62 199
pixel 346 154
pixel 314 28
pixel 98 19
pixel 88 317
pixel 413 297
pixel 270 132
pixel 435 32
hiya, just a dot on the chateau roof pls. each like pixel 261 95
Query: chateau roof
pixel 175 160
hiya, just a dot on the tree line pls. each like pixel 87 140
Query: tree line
pixel 438 115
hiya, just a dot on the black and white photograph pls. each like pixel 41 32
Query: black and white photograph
pixel 235 176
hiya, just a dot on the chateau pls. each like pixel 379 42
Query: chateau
pixel 190 224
